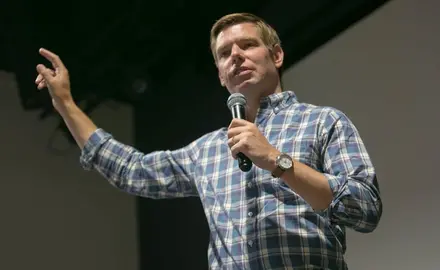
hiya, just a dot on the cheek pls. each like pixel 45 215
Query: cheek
pixel 223 69
pixel 261 64
pixel 225 77
pixel 224 73
pixel 267 65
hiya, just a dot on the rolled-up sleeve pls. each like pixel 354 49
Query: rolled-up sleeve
pixel 160 174
pixel 351 175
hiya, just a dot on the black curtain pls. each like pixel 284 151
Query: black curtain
pixel 173 233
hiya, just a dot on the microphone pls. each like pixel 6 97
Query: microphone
pixel 237 105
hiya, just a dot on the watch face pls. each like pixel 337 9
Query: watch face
pixel 285 162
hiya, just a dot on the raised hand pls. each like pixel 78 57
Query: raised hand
pixel 56 79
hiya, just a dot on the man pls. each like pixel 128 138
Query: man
pixel 312 176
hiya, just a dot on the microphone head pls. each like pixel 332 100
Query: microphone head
pixel 236 98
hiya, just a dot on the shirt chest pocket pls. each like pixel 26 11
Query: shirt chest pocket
pixel 302 147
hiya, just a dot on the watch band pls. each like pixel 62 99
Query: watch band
pixel 277 172
pixel 282 166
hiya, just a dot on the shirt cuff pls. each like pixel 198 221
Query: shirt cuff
pixel 91 148
pixel 334 184
pixel 339 190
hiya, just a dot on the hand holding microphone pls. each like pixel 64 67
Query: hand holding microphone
pixel 237 104
pixel 246 141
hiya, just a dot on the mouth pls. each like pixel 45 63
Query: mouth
pixel 242 71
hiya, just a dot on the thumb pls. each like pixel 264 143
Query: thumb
pixel 45 72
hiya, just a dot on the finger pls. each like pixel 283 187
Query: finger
pixel 40 77
pixel 236 131
pixel 237 148
pixel 42 85
pixel 237 143
pixel 53 58
pixel 237 138
pixel 45 72
pixel 232 141
pixel 236 122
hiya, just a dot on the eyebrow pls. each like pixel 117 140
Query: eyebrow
pixel 221 48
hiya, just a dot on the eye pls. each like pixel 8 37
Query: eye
pixel 248 44
pixel 225 53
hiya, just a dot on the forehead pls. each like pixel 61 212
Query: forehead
pixel 237 32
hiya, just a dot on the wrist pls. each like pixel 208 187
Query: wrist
pixel 283 163
pixel 64 106
pixel 272 158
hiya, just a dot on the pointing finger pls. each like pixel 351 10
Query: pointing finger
pixel 53 58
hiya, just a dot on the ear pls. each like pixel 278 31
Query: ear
pixel 278 55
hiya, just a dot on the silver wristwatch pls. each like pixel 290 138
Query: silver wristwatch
pixel 284 162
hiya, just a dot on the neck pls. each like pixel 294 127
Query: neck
pixel 253 102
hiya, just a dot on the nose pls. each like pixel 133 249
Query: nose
pixel 236 53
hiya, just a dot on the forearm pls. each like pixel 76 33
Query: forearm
pixel 357 203
pixel 310 184
pixel 79 124
pixel 353 204
pixel 160 174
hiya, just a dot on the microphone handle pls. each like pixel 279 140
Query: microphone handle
pixel 244 163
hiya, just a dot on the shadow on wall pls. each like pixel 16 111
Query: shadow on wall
pixel 54 214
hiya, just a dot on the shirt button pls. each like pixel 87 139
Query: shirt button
pixel 250 243
pixel 250 214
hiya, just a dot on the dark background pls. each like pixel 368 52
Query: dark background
pixel 109 45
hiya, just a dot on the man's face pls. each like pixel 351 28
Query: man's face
pixel 244 63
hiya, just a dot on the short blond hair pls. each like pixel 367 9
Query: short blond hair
pixel 267 34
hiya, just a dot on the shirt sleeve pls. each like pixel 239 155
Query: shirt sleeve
pixel 160 174
pixel 351 175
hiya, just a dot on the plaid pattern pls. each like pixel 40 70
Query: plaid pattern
pixel 257 221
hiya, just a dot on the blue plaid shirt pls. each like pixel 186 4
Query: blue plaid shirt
pixel 257 221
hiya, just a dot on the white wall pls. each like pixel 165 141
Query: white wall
pixel 385 74
pixel 54 215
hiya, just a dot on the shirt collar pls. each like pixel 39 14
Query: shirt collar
pixel 277 101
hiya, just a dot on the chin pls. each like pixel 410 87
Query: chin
pixel 248 88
